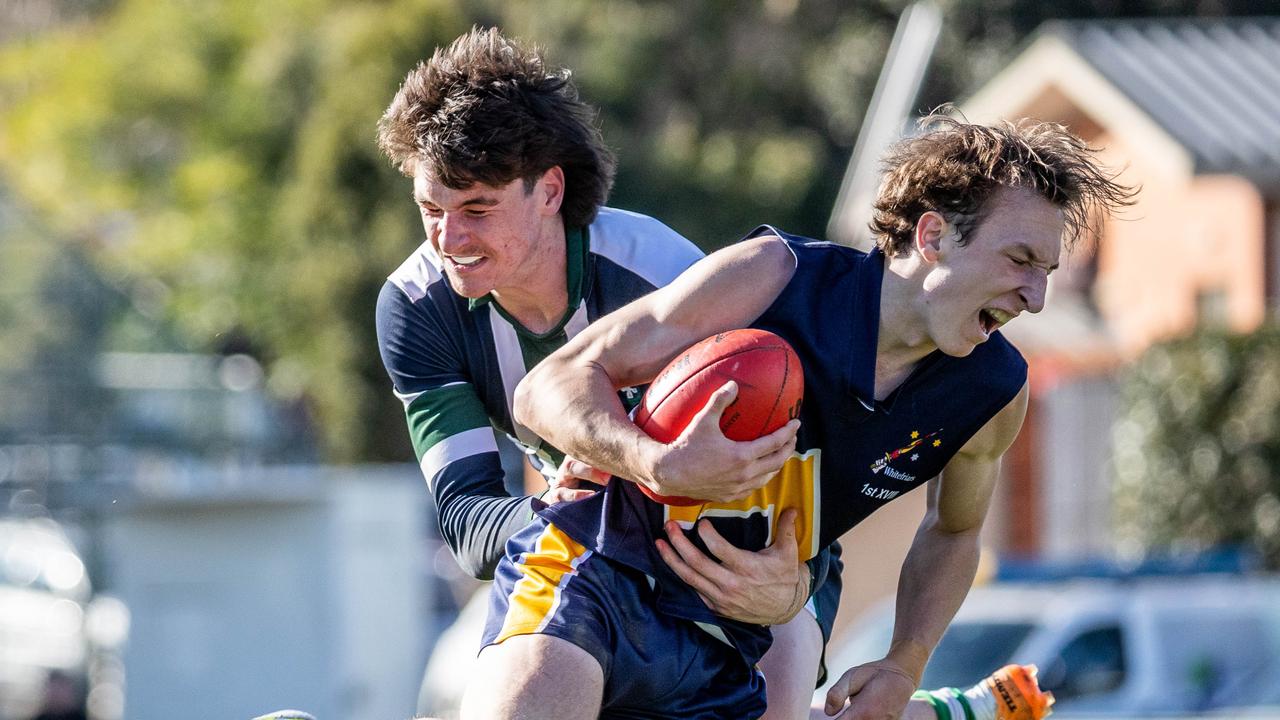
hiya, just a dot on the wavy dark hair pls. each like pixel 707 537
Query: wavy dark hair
pixel 484 109
pixel 953 167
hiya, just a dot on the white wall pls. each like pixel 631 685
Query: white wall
pixel 1075 455
pixel 300 589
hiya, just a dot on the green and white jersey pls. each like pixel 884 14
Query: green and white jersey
pixel 455 364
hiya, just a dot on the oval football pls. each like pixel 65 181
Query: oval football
pixel 770 388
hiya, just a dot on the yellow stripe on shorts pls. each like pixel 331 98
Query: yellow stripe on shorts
pixel 536 595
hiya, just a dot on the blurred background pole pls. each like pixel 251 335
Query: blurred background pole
pixel 896 90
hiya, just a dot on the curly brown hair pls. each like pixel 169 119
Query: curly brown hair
pixel 484 109
pixel 953 167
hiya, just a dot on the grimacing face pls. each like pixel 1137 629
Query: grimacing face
pixel 486 236
pixel 1000 270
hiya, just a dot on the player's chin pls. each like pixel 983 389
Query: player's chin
pixel 468 287
pixel 961 346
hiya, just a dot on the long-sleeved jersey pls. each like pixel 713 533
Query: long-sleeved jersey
pixel 455 364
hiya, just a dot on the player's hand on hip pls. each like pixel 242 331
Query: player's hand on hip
pixel 572 472
pixel 875 691
pixel 766 588
pixel 563 494
pixel 566 486
pixel 703 463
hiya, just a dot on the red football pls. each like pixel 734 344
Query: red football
pixel 770 387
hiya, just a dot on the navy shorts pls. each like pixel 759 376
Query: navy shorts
pixel 824 603
pixel 655 665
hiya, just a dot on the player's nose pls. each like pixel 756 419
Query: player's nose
pixel 451 233
pixel 1032 294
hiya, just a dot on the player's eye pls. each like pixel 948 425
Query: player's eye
pixel 429 211
pixel 476 213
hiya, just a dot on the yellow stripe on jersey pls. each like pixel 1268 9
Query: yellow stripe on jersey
pixel 796 485
pixel 536 596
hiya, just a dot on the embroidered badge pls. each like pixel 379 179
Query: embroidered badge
pixel 916 441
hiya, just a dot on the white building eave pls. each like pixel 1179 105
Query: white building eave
pixel 1049 63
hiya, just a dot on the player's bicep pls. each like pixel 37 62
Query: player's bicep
pixel 728 289
pixel 964 489
pixel 962 493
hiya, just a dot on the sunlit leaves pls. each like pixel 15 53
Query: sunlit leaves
pixel 219 158
pixel 1197 454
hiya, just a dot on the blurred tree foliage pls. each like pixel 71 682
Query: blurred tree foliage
pixel 1197 445
pixel 218 158
pixel 54 296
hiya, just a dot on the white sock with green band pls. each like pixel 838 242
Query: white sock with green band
pixel 976 703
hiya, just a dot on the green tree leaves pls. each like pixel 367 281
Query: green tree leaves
pixel 1197 445
pixel 219 157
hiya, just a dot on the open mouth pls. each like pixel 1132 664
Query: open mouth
pixel 465 261
pixel 988 322
pixel 992 318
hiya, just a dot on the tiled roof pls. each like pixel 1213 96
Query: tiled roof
pixel 1213 84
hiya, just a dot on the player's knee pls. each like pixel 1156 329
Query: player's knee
pixel 791 667
pixel 530 676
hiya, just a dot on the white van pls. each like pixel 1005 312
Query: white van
pixel 1167 646
pixel 43 594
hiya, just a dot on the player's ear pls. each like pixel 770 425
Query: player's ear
pixel 931 229
pixel 550 189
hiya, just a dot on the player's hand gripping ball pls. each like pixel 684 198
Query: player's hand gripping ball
pixel 770 388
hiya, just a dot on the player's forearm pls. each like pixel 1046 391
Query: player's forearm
pixel 476 529
pixel 935 579
pixel 475 514
pixel 575 407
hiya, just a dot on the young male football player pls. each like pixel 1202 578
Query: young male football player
pixel 510 173
pixel 900 347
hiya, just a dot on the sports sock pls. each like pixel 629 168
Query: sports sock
pixel 976 703
pixel 1020 697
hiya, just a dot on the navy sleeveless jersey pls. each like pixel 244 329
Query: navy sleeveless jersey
pixel 853 454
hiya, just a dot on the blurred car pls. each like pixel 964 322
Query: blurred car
pixel 453 659
pixel 1168 646
pixel 44 591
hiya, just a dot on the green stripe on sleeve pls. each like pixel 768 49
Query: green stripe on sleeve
pixel 442 413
